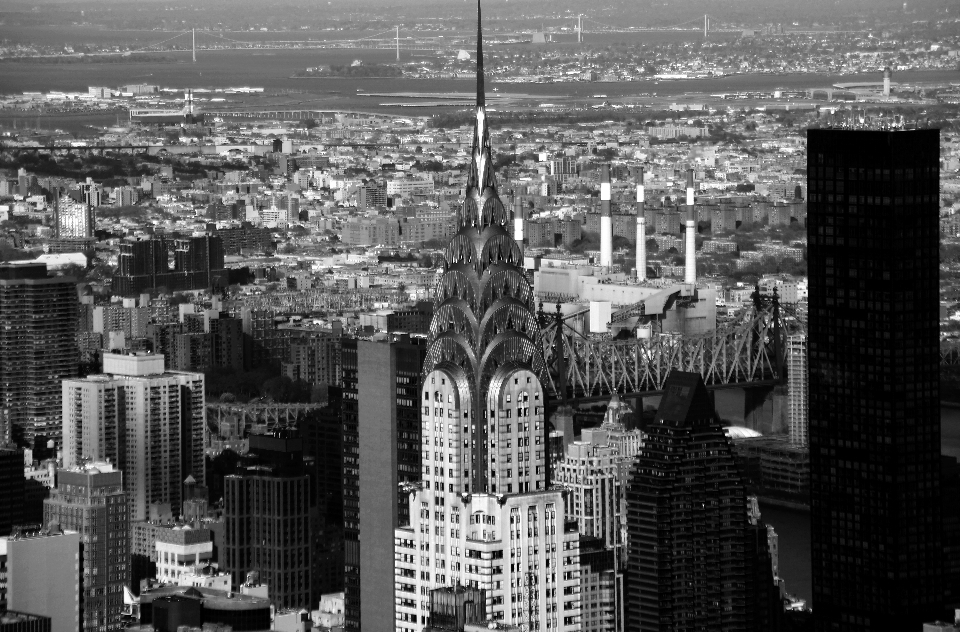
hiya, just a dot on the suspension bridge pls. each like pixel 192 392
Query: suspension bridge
pixel 395 38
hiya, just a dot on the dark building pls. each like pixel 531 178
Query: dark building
pixel 168 608
pixel 381 450
pixel 453 607
pixel 245 238
pixel 322 434
pixel 266 512
pixel 874 365
pixel 11 488
pixel 688 565
pixel 38 349
pixel 143 265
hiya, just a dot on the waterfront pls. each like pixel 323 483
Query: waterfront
pixel 272 70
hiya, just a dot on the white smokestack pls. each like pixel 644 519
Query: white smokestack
pixel 641 232
pixel 606 222
pixel 518 220
pixel 690 272
pixel 886 81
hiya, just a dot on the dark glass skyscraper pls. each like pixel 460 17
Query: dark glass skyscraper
pixel 695 561
pixel 872 220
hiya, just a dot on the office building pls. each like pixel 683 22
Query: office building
pixel 147 421
pixel 381 451
pixel 90 500
pixel 688 563
pixel 266 514
pixel 43 575
pixel 38 349
pixel 482 517
pixel 874 366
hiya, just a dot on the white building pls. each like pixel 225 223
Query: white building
pixel 798 390
pixel 134 416
pixel 512 542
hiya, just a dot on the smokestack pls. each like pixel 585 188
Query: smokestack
pixel 886 81
pixel 518 220
pixel 641 231
pixel 606 225
pixel 690 271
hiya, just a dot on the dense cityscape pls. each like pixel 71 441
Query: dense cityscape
pixel 464 356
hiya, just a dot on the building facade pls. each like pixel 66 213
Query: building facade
pixel 38 349
pixel 90 500
pixel 873 336
pixel 43 575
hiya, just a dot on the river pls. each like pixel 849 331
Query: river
pixel 272 70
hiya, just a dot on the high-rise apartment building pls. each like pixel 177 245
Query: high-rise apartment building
pixel 798 390
pixel 381 417
pixel 74 219
pixel 144 264
pixel 266 513
pixel 38 349
pixel 43 574
pixel 314 357
pixel 688 565
pixel 90 500
pixel 482 516
pixel 147 421
pixel 873 336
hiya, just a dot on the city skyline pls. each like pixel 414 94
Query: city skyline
pixel 646 326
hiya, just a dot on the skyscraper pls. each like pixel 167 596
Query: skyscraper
pixel 382 451
pixel 147 421
pixel 38 329
pixel 266 513
pixel 688 566
pixel 873 335
pixel 798 390
pixel 482 516
pixel 90 501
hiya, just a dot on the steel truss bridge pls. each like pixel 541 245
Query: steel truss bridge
pixel 747 352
